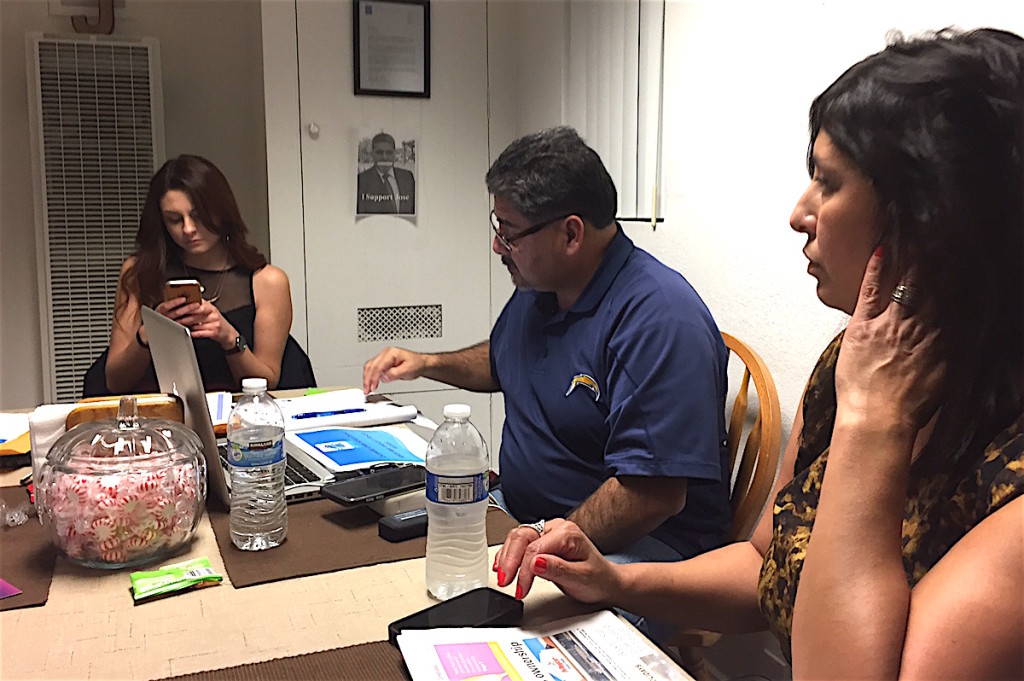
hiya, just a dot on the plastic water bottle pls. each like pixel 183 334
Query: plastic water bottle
pixel 457 467
pixel 259 517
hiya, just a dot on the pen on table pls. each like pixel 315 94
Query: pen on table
pixel 314 414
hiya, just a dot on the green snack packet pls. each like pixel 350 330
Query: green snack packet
pixel 188 574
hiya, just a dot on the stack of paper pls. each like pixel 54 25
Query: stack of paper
pixel 340 429
pixel 341 408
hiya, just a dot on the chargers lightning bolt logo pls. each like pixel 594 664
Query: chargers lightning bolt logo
pixel 587 382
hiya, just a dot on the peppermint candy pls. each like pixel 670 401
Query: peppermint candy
pixel 121 517
pixel 102 529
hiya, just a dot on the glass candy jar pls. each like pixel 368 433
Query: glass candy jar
pixel 122 492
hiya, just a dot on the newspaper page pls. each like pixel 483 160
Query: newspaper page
pixel 595 647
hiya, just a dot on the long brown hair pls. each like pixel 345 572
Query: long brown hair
pixel 215 206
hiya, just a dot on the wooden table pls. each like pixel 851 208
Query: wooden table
pixel 90 628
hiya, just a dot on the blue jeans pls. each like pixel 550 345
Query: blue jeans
pixel 644 550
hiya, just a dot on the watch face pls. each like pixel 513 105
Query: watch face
pixel 240 345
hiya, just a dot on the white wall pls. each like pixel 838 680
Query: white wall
pixel 739 78
pixel 526 74
pixel 211 54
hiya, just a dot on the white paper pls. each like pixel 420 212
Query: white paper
pixel 46 424
pixel 220 404
pixel 333 399
pixel 12 426
pixel 595 647
pixel 392 52
pixel 341 409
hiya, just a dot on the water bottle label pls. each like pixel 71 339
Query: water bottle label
pixel 456 489
pixel 259 453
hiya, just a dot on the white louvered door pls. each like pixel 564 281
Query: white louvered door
pixel 96 119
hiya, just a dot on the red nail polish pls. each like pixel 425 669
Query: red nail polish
pixel 519 592
pixel 879 251
pixel 501 577
pixel 540 565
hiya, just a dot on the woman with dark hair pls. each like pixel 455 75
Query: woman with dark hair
pixel 909 549
pixel 191 228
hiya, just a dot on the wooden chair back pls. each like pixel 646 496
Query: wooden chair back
pixel 150 405
pixel 759 458
pixel 758 464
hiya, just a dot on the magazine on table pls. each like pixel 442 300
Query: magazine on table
pixel 596 647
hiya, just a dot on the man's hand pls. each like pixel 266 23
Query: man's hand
pixel 392 364
pixel 469 368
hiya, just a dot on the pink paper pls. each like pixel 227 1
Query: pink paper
pixel 8 589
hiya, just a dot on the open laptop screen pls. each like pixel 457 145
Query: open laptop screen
pixel 177 372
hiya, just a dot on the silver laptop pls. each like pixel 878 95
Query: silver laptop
pixel 177 372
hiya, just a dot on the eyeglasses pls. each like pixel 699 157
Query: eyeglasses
pixel 507 241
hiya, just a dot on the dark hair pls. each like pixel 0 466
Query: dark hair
pixel 382 137
pixel 936 122
pixel 213 201
pixel 551 173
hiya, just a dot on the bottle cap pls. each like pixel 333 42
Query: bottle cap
pixel 457 411
pixel 254 385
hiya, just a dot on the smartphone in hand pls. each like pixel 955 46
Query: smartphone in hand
pixel 190 288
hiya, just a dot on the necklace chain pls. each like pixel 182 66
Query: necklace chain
pixel 220 282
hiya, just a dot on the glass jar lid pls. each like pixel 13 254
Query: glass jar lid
pixel 124 439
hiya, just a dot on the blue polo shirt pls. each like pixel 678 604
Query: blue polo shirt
pixel 630 380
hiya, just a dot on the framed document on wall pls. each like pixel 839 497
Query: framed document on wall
pixel 391 47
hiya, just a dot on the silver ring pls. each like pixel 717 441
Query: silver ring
pixel 539 526
pixel 905 296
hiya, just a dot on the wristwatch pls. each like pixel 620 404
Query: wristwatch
pixel 240 345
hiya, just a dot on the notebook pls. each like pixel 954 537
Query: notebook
pixel 177 372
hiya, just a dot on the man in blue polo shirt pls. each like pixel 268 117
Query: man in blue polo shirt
pixel 613 371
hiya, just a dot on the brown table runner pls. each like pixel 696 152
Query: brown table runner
pixel 380 661
pixel 27 556
pixel 324 537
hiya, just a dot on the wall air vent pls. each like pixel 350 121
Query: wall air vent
pixel 378 324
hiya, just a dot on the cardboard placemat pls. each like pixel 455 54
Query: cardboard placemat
pixel 27 556
pixel 379 660
pixel 324 537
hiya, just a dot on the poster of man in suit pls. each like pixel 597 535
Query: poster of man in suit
pixel 386 182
